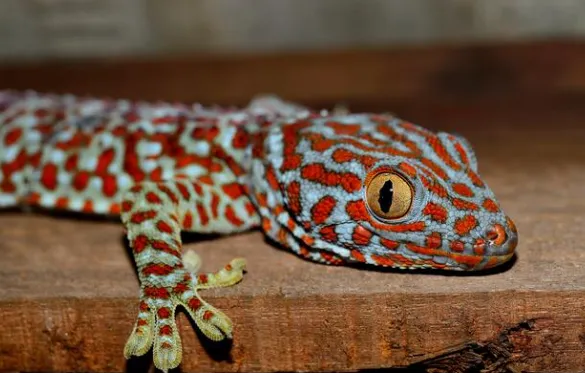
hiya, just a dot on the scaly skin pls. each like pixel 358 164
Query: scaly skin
pixel 333 188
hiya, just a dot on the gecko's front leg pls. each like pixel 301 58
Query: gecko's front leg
pixel 154 215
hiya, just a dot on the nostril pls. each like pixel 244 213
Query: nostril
pixel 497 235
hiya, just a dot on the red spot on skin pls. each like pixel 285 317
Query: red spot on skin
pixel 104 160
pixel 310 241
pixel 343 128
pixel 206 179
pixel 127 206
pixel 293 192
pixel 187 220
pixel 87 207
pixel 465 224
pixel 141 216
pixel 271 178
pixel 198 189
pixel 464 205
pixel 165 330
pixel 442 152
pixel 329 258
pixel 320 144
pixel 291 162
pixel 383 261
pixel 163 246
pixel 497 234
pixel 180 288
pixel 61 203
pixel 435 168
pixel 214 205
pixel 479 247
pixel 462 190
pixel 316 172
pixel 322 209
pixel 240 140
pixel 154 292
pixel 12 136
pixel 139 243
pixel 203 217
pixel 389 244
pixel 342 155
pixel 158 269
pixel 141 322
pixel 156 174
pixel 109 185
pixel 207 315
pixel 407 169
pixel 434 240
pixel 328 234
pixel 266 225
pixel 136 188
pixel 194 304
pixel 250 209
pixel 163 313
pixel 164 227
pixel 80 180
pixel 475 179
pixel 361 236
pixel 436 212
pixel 462 153
pixel 228 267
pixel 358 256
pixel 233 190
pixel 357 211
pixel 49 176
pixel 231 216
pixel 434 187
pixel 490 205
pixel 143 307
pixel 114 209
pixel 183 191
pixel 202 278
pixel 71 162
pixel 163 188
pixel 151 197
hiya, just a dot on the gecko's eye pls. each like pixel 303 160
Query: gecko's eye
pixel 388 196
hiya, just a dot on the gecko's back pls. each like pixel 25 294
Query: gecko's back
pixel 81 154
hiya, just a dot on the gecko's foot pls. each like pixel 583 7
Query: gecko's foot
pixel 156 324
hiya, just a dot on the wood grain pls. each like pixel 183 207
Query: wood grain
pixel 68 290
pixel 366 78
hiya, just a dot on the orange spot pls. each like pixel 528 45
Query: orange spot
pixel 316 172
pixel 457 246
pixel 293 192
pixel 164 227
pixel 389 244
pixel 464 205
pixel 141 216
pixel 87 207
pixel 188 220
pixel 80 180
pixel 328 233
pixel 436 212
pixel 183 190
pixel 231 216
pixel 465 224
pixel 462 190
pixel 126 206
pixel 358 256
pixel 203 217
pixel 109 185
pixel 12 136
pixel 322 209
pixel 361 236
pixel 490 205
pixel 49 176
pixel 434 240
pixel 151 197
pixel 233 190
pixel 407 169
pixel 139 243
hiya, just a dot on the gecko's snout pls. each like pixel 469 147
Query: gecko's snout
pixel 502 239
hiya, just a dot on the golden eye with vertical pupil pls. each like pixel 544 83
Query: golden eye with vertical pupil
pixel 389 195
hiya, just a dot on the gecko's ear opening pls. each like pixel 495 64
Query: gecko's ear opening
pixel 463 149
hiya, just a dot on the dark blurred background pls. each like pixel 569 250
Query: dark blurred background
pixel 406 56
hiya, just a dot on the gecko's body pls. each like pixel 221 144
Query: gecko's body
pixel 336 189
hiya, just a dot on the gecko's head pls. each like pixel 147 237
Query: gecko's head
pixel 394 194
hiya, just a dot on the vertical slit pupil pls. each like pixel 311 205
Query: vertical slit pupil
pixel 386 194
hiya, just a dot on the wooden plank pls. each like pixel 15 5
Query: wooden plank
pixel 382 76
pixel 68 290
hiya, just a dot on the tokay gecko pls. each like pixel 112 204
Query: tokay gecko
pixel 335 188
